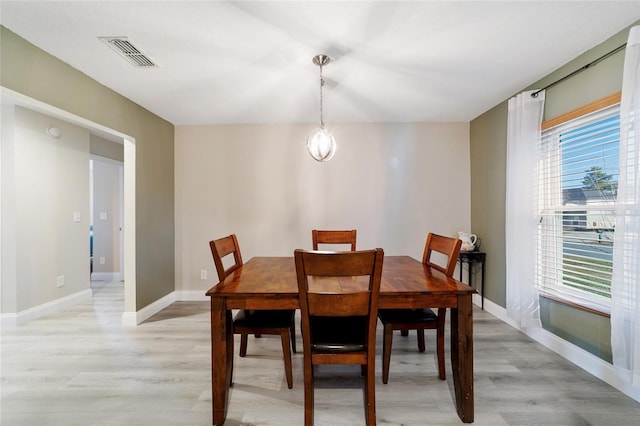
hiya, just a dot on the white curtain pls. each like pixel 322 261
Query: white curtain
pixel 521 219
pixel 625 285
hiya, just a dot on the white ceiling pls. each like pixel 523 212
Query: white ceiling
pixel 250 62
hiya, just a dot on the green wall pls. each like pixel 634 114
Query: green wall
pixel 28 70
pixel 488 135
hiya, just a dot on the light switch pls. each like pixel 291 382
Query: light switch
pixel 103 215
pixel 76 216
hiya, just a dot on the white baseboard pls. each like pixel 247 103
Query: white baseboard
pixel 587 361
pixel 105 276
pixel 499 312
pixel 13 319
pixel 132 319
pixel 476 299
pixel 192 296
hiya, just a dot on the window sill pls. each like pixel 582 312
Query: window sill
pixel 575 305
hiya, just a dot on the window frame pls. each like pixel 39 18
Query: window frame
pixel 549 279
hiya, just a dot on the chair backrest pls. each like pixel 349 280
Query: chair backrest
pixel 450 247
pixel 221 248
pixel 333 237
pixel 339 296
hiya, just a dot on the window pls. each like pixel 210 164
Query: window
pixel 578 176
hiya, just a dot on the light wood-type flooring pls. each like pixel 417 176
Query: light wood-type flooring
pixel 82 367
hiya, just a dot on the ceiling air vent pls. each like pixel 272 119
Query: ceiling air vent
pixel 127 50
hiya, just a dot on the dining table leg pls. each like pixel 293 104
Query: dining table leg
pixel 462 356
pixel 221 359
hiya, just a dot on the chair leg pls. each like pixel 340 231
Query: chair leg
pixel 243 344
pixel 292 332
pixel 420 333
pixel 387 339
pixel 442 313
pixel 370 395
pixel 404 333
pixel 286 354
pixel 308 392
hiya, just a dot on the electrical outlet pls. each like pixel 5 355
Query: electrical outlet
pixel 60 281
pixel 103 260
pixel 203 274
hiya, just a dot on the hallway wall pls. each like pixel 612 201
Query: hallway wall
pixel 45 210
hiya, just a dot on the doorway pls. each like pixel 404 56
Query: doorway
pixel 11 98
pixel 106 183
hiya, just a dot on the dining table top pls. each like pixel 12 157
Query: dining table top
pixel 402 276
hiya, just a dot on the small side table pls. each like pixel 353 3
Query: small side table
pixel 471 257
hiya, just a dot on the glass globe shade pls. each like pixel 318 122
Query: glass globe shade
pixel 321 144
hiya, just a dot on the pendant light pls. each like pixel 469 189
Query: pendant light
pixel 320 142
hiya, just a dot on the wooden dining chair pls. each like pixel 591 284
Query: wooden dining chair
pixel 256 322
pixel 421 319
pixel 333 237
pixel 339 316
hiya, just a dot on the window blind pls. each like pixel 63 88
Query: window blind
pixel 577 188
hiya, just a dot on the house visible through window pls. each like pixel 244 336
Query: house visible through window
pixel 578 182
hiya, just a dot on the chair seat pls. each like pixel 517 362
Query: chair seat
pixel 338 334
pixel 264 319
pixel 407 316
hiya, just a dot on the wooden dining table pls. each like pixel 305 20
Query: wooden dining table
pixel 270 283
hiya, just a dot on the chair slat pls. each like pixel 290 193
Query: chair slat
pixel 334 237
pixel 339 305
pixel 359 264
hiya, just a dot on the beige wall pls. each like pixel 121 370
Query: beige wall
pixel 391 182
pixel 32 72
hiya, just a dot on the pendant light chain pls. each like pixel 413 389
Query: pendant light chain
pixel 321 98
